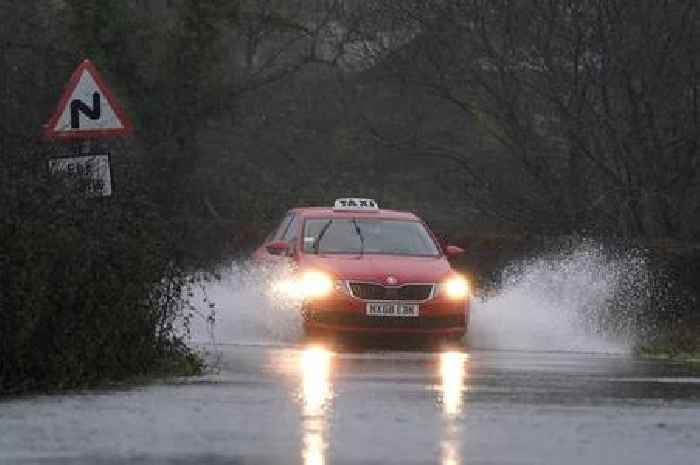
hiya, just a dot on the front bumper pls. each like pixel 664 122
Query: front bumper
pixel 345 314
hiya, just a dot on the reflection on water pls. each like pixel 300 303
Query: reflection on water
pixel 316 371
pixel 316 394
pixel 314 452
pixel 450 452
pixel 453 375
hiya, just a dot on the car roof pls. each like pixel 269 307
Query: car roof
pixel 329 212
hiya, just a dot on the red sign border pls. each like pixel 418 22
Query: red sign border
pixel 49 129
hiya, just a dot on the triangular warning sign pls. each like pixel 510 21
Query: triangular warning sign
pixel 87 109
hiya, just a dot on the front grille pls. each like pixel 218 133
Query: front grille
pixel 367 291
pixel 362 321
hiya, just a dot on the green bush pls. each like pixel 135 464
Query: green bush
pixel 88 293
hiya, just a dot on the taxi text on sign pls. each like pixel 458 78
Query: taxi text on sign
pixel 87 109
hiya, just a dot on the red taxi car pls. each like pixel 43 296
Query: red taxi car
pixel 362 269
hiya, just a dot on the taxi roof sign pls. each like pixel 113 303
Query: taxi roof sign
pixel 356 204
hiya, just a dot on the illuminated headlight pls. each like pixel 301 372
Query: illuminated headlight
pixel 315 284
pixel 456 288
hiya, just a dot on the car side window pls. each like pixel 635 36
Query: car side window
pixel 292 230
pixel 278 230
pixel 284 227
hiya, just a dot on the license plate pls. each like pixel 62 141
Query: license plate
pixel 392 309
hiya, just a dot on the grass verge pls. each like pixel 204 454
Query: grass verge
pixel 681 342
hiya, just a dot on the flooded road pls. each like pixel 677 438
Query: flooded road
pixel 308 405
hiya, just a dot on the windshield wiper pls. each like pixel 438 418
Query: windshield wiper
pixel 321 233
pixel 362 237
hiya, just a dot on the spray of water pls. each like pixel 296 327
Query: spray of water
pixel 247 308
pixel 583 298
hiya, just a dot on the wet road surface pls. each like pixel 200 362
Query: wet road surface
pixel 306 405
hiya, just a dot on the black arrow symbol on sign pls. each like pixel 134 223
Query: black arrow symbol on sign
pixel 77 107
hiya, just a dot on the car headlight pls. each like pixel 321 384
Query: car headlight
pixel 456 288
pixel 316 284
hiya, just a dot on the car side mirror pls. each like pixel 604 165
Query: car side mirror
pixel 277 248
pixel 453 251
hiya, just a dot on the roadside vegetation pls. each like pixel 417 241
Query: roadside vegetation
pixel 89 292
pixel 506 124
pixel 675 302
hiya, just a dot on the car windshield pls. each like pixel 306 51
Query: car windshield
pixel 362 235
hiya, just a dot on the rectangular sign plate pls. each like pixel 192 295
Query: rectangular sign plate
pixel 392 309
pixel 94 170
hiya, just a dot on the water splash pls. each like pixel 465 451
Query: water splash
pixel 584 299
pixel 246 309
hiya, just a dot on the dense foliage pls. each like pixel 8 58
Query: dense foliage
pixel 88 293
